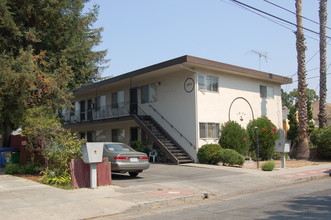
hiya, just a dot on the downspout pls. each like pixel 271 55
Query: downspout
pixel 195 106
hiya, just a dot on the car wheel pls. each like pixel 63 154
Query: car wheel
pixel 133 174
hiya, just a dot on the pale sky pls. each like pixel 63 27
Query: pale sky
pixel 145 32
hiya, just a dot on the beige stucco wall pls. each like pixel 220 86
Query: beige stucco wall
pixel 215 106
pixel 176 106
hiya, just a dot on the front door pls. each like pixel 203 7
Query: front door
pixel 133 101
pixel 133 134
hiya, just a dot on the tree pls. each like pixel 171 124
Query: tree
pixel 55 39
pixel 289 99
pixel 26 84
pixel 40 125
pixel 301 150
pixel 292 133
pixel 322 115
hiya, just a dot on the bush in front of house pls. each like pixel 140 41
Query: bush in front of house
pixel 13 168
pixel 268 134
pixel 205 153
pixel 64 147
pixel 268 166
pixel 229 157
pixel 323 142
pixel 233 136
pixel 28 168
pixel 32 168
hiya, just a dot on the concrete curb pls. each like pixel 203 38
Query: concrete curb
pixel 168 202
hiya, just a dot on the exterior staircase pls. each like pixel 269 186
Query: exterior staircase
pixel 163 140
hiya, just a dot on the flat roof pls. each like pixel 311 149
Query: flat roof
pixel 192 61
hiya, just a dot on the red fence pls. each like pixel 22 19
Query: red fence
pixel 80 173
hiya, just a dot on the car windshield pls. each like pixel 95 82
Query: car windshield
pixel 118 147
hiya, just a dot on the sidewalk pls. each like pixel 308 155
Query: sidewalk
pixel 25 199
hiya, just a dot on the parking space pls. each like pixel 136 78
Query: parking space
pixel 161 173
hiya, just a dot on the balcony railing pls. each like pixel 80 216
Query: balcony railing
pixel 103 112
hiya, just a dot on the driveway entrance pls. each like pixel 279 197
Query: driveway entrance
pixel 161 173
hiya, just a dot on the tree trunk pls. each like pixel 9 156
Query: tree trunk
pixel 6 132
pixel 301 150
pixel 322 117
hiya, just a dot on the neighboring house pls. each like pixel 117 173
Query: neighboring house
pixel 178 104
pixel 315 108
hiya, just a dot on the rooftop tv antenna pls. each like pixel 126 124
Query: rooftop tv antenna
pixel 261 54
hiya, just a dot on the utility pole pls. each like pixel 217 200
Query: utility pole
pixel 323 89
pixel 301 150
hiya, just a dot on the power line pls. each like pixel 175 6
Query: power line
pixel 278 6
pixel 267 18
pixel 278 18
pixel 313 77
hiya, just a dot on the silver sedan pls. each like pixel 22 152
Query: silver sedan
pixel 125 159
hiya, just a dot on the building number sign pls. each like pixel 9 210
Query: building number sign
pixel 189 85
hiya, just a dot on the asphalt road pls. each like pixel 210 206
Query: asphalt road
pixel 158 173
pixel 310 200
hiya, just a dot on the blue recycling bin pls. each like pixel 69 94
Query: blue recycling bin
pixel 12 151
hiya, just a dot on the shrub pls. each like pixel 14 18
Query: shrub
pixel 13 168
pixel 292 133
pixel 205 153
pixel 30 168
pixel 268 134
pixel 63 179
pixel 314 137
pixel 233 136
pixel 64 147
pixel 324 142
pixel 229 157
pixel 268 166
pixel 140 146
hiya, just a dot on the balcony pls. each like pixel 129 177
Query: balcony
pixel 103 112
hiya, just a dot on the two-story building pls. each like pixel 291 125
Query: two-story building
pixel 179 104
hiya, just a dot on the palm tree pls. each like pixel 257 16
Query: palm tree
pixel 322 103
pixel 301 150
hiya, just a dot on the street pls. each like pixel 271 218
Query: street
pixel 309 200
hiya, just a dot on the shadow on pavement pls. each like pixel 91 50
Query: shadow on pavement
pixel 124 176
pixel 304 207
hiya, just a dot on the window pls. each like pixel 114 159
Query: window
pixel 90 136
pixel 149 93
pixel 117 99
pixel 266 92
pixel 117 135
pixel 209 83
pixel 209 130
pixel 100 136
pixel 100 102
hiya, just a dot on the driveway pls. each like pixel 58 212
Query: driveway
pixel 162 173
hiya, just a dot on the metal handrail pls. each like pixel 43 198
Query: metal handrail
pixel 102 112
pixel 171 125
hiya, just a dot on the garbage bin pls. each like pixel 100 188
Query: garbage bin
pixel 9 155
pixel 15 157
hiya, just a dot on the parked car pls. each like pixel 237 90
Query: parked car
pixel 124 159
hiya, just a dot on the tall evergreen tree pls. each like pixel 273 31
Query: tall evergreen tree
pixel 46 51
pixel 322 115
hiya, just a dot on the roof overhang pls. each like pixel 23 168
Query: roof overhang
pixel 191 62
